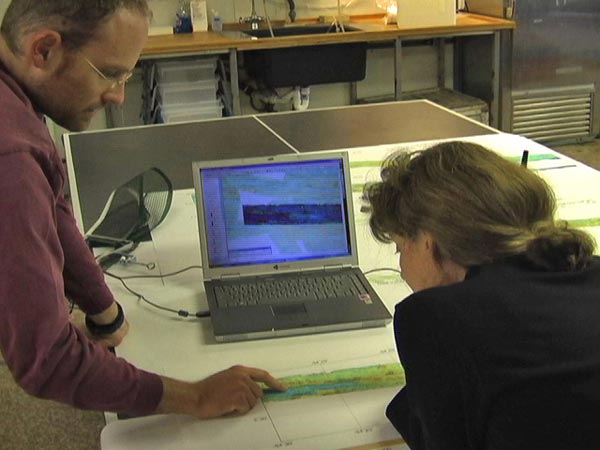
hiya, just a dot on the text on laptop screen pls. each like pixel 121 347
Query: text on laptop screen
pixel 288 211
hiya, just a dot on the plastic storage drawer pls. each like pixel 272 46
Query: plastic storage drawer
pixel 177 71
pixel 177 93
pixel 192 111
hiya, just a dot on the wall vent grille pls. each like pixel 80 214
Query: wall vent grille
pixel 560 114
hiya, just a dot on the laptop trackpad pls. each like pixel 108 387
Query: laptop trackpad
pixel 288 311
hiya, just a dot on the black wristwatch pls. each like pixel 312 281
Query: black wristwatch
pixel 106 329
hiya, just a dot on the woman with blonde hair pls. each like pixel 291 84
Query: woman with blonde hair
pixel 500 340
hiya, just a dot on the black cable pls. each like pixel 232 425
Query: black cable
pixel 177 272
pixel 381 270
pixel 182 312
pixel 179 312
pixel 123 250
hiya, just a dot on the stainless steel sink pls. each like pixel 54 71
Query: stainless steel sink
pixel 306 65
pixel 298 30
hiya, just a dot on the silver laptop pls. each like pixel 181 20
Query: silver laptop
pixel 279 247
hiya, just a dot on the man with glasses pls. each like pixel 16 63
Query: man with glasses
pixel 113 80
pixel 67 59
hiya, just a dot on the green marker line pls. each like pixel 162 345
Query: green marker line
pixel 392 278
pixel 356 164
pixel 540 157
pixel 591 222
pixel 534 157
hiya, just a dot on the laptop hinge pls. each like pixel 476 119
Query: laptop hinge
pixel 229 276
pixel 337 266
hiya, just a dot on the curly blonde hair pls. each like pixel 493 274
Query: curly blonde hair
pixel 478 206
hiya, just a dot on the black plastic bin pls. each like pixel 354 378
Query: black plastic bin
pixel 306 66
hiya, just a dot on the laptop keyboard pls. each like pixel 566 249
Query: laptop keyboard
pixel 284 290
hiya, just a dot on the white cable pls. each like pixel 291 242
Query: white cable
pixel 268 19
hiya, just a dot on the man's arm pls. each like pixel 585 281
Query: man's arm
pixel 84 280
pixel 83 277
pixel 46 354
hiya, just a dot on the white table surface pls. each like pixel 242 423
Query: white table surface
pixel 185 348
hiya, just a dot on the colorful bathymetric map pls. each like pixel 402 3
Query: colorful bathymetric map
pixel 339 382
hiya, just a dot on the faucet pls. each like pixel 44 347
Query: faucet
pixel 292 12
pixel 254 19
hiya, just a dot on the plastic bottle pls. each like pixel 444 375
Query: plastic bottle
pixel 217 23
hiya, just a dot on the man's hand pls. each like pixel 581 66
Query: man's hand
pixel 232 391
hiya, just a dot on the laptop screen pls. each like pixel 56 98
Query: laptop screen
pixel 275 212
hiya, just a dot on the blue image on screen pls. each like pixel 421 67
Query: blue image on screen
pixel 276 212
pixel 292 214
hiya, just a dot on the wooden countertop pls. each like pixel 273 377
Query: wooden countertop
pixel 372 29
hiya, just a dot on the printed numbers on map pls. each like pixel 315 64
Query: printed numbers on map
pixel 388 350
pixel 317 362
pixel 261 419
pixel 284 444
pixel 364 430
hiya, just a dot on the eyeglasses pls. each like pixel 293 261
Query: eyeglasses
pixel 114 81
